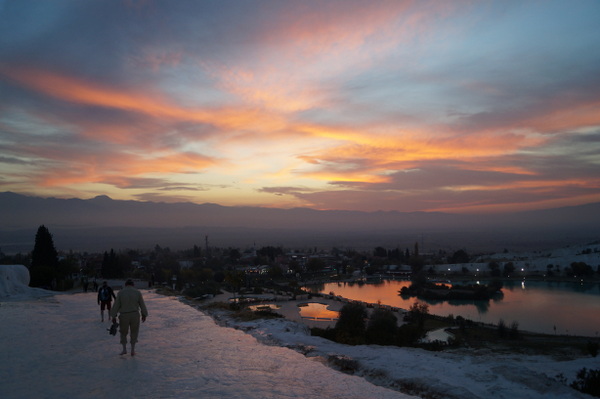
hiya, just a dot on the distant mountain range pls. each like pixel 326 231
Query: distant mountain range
pixel 101 223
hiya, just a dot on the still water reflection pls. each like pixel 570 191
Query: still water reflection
pixel 315 311
pixel 547 307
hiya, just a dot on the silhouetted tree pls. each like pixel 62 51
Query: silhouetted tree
pixel 197 252
pixel 234 254
pixel 588 381
pixel 275 271
pixel 418 312
pixel 514 330
pixel 315 265
pixel 110 265
pixel 501 328
pixel 459 256
pixel 270 252
pixel 495 268
pixel 44 260
pixel 17 259
pixel 350 327
pixel 219 276
pixel 396 254
pixel 380 252
pixel 509 268
pixel 382 328
pixel 581 269
pixel 592 348
pixel 235 279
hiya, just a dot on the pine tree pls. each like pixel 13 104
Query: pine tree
pixel 44 260
pixel 111 265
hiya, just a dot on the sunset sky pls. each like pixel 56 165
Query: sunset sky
pixel 455 106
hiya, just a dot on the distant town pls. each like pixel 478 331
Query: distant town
pixel 204 268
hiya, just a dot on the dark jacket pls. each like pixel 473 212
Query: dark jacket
pixel 110 292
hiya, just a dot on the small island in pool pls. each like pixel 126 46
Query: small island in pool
pixel 441 291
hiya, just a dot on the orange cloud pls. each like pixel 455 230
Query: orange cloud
pixel 347 177
pixel 489 167
pixel 81 92
pixel 381 153
pixel 518 206
pixel 84 168
pixel 310 47
pixel 567 118
pixel 170 163
pixel 538 185
pixel 377 153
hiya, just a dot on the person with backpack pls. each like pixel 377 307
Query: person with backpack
pixel 105 297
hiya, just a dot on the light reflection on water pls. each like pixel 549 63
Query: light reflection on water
pixel 268 306
pixel 314 310
pixel 574 308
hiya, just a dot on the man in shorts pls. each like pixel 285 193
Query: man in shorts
pixel 105 297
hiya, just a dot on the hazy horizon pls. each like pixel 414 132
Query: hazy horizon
pixel 101 223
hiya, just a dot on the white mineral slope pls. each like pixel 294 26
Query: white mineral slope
pixel 14 284
pixel 56 347
pixel 464 374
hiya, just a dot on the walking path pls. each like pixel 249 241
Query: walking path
pixel 56 347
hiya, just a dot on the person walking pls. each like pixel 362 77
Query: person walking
pixel 128 305
pixel 105 297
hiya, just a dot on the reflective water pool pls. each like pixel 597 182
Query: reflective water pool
pixel 317 311
pixel 547 307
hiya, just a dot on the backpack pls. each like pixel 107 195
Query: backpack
pixel 104 295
